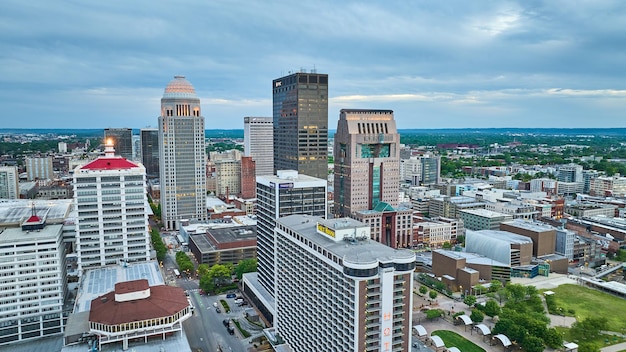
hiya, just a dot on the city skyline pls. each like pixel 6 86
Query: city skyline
pixel 436 65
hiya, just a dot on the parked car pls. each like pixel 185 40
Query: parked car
pixel 218 310
pixel 231 295
pixel 226 322
pixel 231 330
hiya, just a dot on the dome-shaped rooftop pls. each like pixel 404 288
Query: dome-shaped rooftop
pixel 179 87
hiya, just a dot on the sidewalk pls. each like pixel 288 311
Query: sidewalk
pixel 614 348
pixel 474 336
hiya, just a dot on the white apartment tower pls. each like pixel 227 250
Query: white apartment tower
pixel 33 281
pixel 39 168
pixel 284 194
pixel 258 139
pixel 112 222
pixel 182 156
pixel 336 290
pixel 9 183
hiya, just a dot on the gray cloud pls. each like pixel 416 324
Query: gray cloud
pixel 436 64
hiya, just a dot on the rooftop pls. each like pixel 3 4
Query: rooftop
pixel 484 213
pixel 17 235
pixel 14 212
pixel 361 251
pixel 529 225
pixel 109 163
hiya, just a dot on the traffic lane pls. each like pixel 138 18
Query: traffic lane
pixel 227 341
pixel 196 336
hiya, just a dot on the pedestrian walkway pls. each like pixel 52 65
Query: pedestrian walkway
pixel 466 332
pixel 614 348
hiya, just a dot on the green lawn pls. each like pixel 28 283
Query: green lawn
pixel 587 302
pixel 452 339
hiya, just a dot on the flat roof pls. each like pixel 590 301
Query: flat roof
pixel 471 258
pixel 17 235
pixel 97 282
pixel 231 234
pixel 13 212
pixel 529 225
pixel 361 251
pixel 484 213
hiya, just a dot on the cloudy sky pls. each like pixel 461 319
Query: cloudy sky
pixel 437 64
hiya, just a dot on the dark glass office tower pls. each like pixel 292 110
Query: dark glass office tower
pixel 122 139
pixel 301 123
pixel 150 151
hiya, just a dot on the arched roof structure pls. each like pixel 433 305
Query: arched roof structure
pixel 466 320
pixel 420 330
pixel 437 341
pixel 483 329
pixel 505 340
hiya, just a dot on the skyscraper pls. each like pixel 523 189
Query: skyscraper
pixel 9 184
pixel 258 143
pixel 39 168
pixel 338 291
pixel 367 161
pixel 284 194
pixel 182 159
pixel 112 221
pixel 150 151
pixel 122 139
pixel 300 108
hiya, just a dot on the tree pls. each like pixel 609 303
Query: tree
pixel 479 289
pixel 470 300
pixel 202 270
pixel 245 266
pixel 553 339
pixel 219 273
pixel 502 295
pixel 492 308
pixel 433 313
pixel 446 245
pixel 423 289
pixel 477 316
pixel 495 285
pixel 532 344
pixel 433 294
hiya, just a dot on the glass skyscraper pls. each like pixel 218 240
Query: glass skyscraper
pixel 300 114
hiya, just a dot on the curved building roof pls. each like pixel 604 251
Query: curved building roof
pixel 180 87
pixel 493 243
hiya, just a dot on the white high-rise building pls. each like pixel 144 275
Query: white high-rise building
pixel 9 183
pixel 112 222
pixel 258 139
pixel 182 156
pixel 336 290
pixel 284 194
pixel 33 284
pixel 39 168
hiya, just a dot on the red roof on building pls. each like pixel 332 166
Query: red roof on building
pixel 131 286
pixel 164 301
pixel 34 218
pixel 115 163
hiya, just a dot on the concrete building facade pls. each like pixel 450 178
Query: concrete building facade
pixel 182 155
pixel 112 219
pixel 122 140
pixel 9 183
pixel 39 168
pixel 258 143
pixel 338 291
pixel 284 194
pixel 367 161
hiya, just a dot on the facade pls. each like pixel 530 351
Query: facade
pixel 569 188
pixel 338 291
pixel 564 244
pixel 39 168
pixel 421 170
pixel 589 175
pixel 547 185
pixel 461 271
pixel 587 210
pixel 224 245
pixel 9 183
pixel 483 219
pixel 227 177
pixel 150 151
pixel 284 194
pixel 112 220
pixel 367 161
pixel 570 173
pixel 543 236
pixel 248 178
pixel 300 121
pixel 389 226
pixel 122 140
pixel 436 232
pixel 449 207
pixel 33 281
pixel 135 310
pixel 505 247
pixel 608 186
pixel 258 143
pixel 182 155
